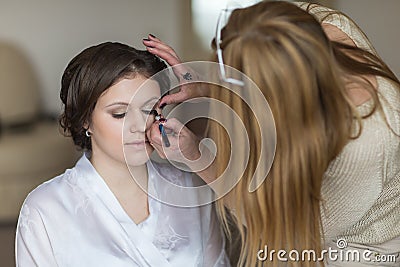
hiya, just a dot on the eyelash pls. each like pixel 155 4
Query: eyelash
pixel 146 111
pixel 119 115
pixel 122 115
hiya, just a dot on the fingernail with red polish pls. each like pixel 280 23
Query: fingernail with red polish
pixel 146 39
pixel 152 35
pixel 163 105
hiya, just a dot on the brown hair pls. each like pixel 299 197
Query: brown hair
pixel 92 72
pixel 285 51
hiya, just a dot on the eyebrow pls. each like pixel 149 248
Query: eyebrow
pixel 119 103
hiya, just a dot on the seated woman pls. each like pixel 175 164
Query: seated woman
pixel 97 214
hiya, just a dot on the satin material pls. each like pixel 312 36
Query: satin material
pixel 75 220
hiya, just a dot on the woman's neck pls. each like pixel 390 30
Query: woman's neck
pixel 119 177
pixel 129 185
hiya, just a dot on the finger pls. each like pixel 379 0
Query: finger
pixel 153 135
pixel 152 37
pixel 171 59
pixel 161 46
pixel 174 98
pixel 178 68
pixel 174 125
pixel 166 52
pixel 154 42
pixel 160 151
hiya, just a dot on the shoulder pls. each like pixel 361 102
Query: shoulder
pixel 63 189
pixel 42 200
pixel 50 192
pixel 319 11
pixel 338 25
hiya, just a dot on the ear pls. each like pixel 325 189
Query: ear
pixel 86 125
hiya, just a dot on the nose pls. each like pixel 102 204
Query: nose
pixel 136 121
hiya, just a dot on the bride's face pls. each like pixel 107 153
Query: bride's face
pixel 120 119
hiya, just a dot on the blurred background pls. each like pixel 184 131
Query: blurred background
pixel 38 39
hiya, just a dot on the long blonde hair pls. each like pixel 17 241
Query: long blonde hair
pixel 284 50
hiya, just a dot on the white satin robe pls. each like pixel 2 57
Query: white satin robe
pixel 75 220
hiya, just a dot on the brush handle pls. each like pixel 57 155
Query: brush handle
pixel 164 135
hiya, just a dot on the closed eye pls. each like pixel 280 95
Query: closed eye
pixel 119 115
pixel 146 111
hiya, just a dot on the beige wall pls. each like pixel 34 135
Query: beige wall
pixel 52 32
pixel 380 20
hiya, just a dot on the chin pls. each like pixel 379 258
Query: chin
pixel 136 157
pixel 136 162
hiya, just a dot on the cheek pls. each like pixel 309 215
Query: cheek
pixel 108 129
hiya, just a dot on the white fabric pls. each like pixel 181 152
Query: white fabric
pixel 75 220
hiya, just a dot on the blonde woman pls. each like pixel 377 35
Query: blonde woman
pixel 335 180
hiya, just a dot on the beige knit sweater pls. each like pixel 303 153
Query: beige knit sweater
pixel 361 188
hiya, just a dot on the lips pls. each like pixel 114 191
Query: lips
pixel 136 142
